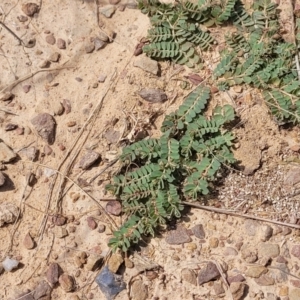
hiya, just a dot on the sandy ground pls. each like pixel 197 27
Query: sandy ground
pixel 100 89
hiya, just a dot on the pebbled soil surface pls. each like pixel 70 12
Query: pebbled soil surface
pixel 86 105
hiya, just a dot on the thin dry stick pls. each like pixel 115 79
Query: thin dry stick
pixel 223 277
pixel 25 296
pixel 94 115
pixel 16 223
pixel 230 213
pixel 44 221
pixel 9 87
pixel 71 180
pixel 287 273
pixel 102 171
pixel 8 112
pixel 9 30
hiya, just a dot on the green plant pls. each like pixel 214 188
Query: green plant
pixel 260 58
pixel 180 165
pixel 174 34
pixel 158 174
pixel 255 55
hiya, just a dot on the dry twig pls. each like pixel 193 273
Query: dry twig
pixel 9 87
pixel 231 213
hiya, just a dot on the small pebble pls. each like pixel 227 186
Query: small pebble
pixel 191 246
pixel 57 108
pixel 102 78
pixel 103 37
pixel 88 159
pixel 67 105
pixel 71 219
pixel 283 291
pixel 107 10
pixel 208 273
pixel 286 231
pixel 230 251
pixel 74 196
pixel 90 47
pixel 178 236
pixel 26 88
pixel 256 271
pixel 47 150
pixel 53 272
pixel 237 290
pixel 61 44
pixel 10 127
pixel 54 57
pixel 28 242
pixel 95 85
pixel 175 257
pixel 97 212
pixel 153 95
pixel 61 147
pixel 91 223
pixel 101 228
pixel 45 64
pixel 236 278
pixel 78 262
pixel 121 7
pixel 71 123
pixel 265 232
pixel 72 229
pixel 128 263
pixel 58 220
pixel 90 296
pixel 77 273
pixel 213 242
pixel 2 179
pixel 50 39
pixel 42 290
pixel 22 18
pixel 27 130
pixel 151 275
pixel 67 282
pixel 218 288
pixel 30 9
pixel 99 44
pixel 114 207
pixel 295 251
pixel 131 4
pixel 78 79
pixel 60 232
pixel 198 231
pixel 189 276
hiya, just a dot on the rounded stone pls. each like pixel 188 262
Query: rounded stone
pixel 265 233
pixel 50 39
pixel 269 250
pixel 213 242
pixel 67 282
pixel 189 276
pixel 251 227
pixel 296 251
pixel 61 44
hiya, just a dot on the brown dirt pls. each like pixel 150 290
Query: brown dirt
pixel 262 145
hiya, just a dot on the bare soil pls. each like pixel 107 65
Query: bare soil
pixel 104 115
